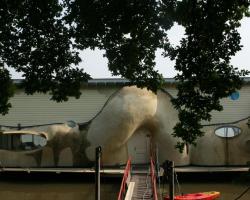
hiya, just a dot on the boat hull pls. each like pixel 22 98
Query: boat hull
pixel 197 196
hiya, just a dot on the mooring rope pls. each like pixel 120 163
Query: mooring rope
pixel 243 193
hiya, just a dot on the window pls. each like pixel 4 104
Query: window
pixel 21 142
pixel 71 124
pixel 227 131
pixel 39 141
pixel 235 96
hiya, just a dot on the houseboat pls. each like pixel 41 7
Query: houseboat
pixel 125 121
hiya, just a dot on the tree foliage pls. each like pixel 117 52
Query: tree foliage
pixel 42 39
pixel 6 90
pixel 35 40
pixel 203 60
pixel 129 31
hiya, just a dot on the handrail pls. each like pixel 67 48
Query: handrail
pixel 153 179
pixel 126 175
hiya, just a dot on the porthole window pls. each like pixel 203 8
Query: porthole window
pixel 235 96
pixel 227 131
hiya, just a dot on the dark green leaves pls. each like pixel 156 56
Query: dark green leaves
pixel 35 40
pixel 203 60
pixel 42 40
pixel 6 90
pixel 129 30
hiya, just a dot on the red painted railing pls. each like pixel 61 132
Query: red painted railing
pixel 125 180
pixel 153 179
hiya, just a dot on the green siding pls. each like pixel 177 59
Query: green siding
pixel 38 109
pixel 234 110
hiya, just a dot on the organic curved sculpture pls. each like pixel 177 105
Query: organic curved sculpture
pixel 132 110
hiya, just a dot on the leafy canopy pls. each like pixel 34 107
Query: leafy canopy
pixel 203 60
pixel 42 39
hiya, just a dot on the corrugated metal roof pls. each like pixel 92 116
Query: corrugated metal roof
pixel 117 81
pixel 105 81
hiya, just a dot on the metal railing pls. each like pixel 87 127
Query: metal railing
pixel 125 180
pixel 153 179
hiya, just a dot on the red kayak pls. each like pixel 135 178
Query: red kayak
pixel 200 196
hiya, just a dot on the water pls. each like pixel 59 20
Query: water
pixel 77 188
pixel 109 191
pixel 56 189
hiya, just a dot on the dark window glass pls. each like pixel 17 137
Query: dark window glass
pixel 21 142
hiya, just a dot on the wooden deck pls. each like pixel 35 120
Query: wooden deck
pixel 120 171
pixel 111 172
pixel 190 169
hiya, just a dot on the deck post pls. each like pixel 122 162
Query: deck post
pixel 168 167
pixel 19 126
pixel 171 180
pixel 98 152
